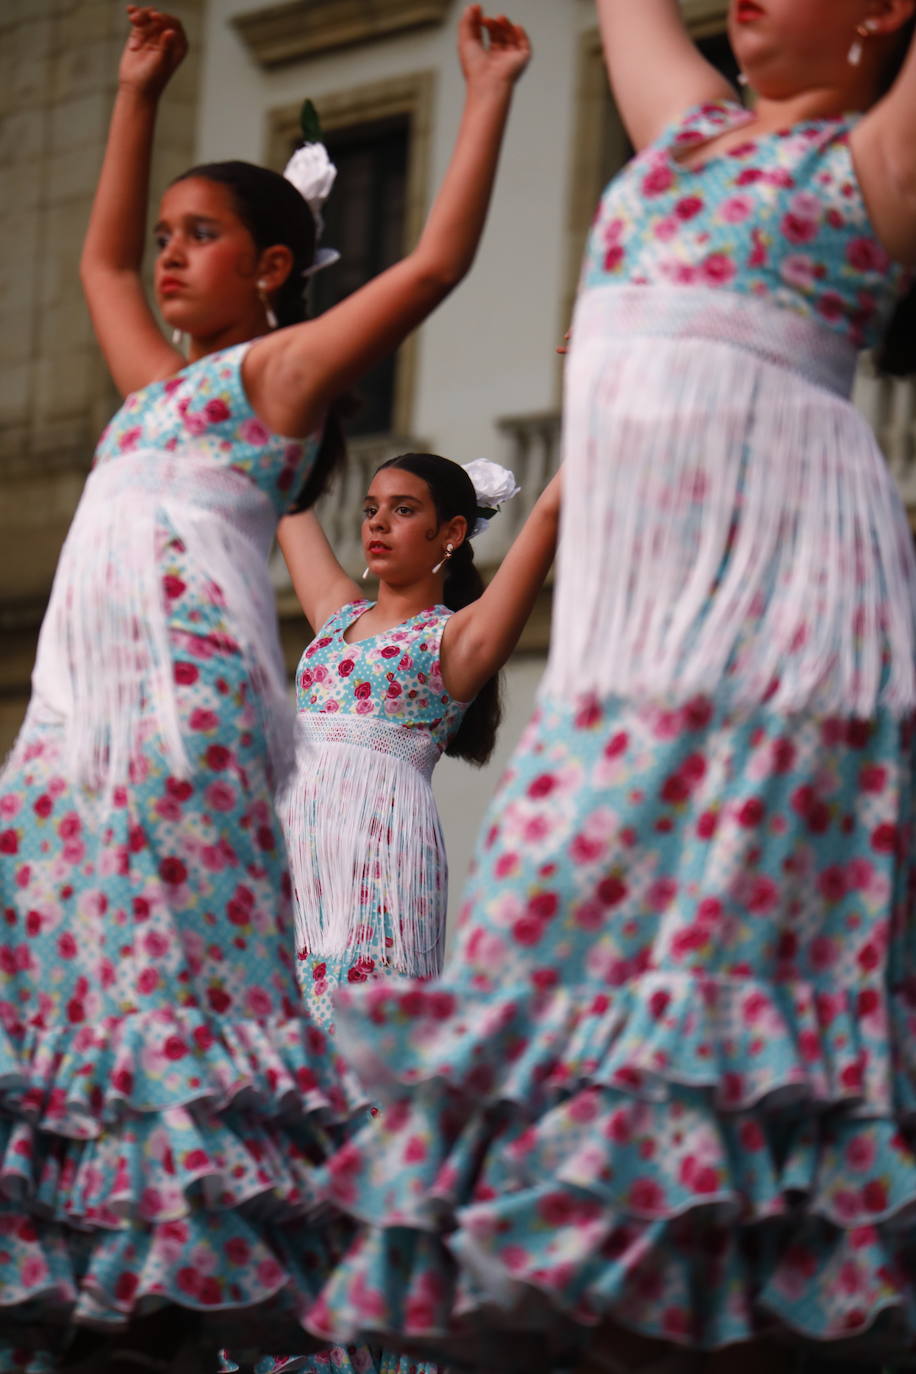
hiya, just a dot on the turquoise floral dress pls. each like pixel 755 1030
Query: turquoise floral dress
pixel 165 1097
pixel 667 1078
pixel 369 870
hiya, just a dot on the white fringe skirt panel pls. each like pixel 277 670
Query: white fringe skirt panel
pixel 366 853
pixel 729 524
pixel 104 669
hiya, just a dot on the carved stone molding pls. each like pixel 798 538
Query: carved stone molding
pixel 299 29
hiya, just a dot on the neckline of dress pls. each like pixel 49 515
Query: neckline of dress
pixel 733 108
pixel 352 643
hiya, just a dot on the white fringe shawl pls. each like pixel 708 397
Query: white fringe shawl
pixel 729 525
pixel 104 670
pixel 361 828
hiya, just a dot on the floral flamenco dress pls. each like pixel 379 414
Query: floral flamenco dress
pixel 667 1079
pixel 368 861
pixel 164 1097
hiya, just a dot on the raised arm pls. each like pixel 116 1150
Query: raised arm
pixel 319 581
pixel 479 638
pixel 292 375
pixel 135 350
pixel 883 149
pixel 656 72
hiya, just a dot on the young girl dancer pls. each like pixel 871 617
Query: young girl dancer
pixel 383 690
pixel 660 1099
pixel 165 1096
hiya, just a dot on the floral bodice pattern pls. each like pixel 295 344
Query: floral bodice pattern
pixel 394 675
pixel 779 216
pixel 204 407
pixel 204 410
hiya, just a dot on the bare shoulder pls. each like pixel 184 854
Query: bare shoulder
pixel 275 376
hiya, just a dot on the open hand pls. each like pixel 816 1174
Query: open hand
pixel 155 48
pixel 491 49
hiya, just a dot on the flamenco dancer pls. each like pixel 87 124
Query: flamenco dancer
pixel 384 689
pixel 165 1096
pixel 658 1107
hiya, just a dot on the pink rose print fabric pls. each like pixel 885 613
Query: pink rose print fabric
pixel 666 1079
pixel 165 1096
pixel 778 216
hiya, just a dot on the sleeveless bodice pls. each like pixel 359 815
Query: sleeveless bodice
pixel 394 676
pixel 204 408
pixel 778 216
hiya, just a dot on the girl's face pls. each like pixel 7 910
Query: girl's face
pixel 401 534
pixel 207 264
pixel 787 47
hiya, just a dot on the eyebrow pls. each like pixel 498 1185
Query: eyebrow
pixel 405 497
pixel 192 219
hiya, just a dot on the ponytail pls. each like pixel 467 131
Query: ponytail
pixel 476 735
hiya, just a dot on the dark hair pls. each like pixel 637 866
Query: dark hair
pixel 274 212
pixel 895 354
pixel 453 494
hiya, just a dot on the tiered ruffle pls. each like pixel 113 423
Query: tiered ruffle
pixel 166 1156
pixel 699 1158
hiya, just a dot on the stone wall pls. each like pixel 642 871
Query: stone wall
pixel 58 70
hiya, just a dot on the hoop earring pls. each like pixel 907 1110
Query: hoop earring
pixel 449 550
pixel 268 308
pixel 863 31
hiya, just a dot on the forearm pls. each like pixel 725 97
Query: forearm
pixel 449 240
pixel 117 223
pixel 320 583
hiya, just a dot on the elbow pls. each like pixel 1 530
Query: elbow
pixel 438 276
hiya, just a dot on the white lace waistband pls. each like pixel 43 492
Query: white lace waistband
pixel 777 335
pixel 412 745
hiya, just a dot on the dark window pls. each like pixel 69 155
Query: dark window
pixel 364 221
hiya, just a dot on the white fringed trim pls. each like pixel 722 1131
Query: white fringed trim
pixel 104 670
pixel 360 817
pixel 729 525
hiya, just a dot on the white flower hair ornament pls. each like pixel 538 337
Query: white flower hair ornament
pixel 494 485
pixel 313 173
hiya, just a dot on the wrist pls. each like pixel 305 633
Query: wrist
pixel 142 96
pixel 490 87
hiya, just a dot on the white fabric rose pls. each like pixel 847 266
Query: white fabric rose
pixel 493 485
pixel 313 174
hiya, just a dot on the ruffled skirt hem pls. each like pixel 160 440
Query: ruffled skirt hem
pixel 533 1195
